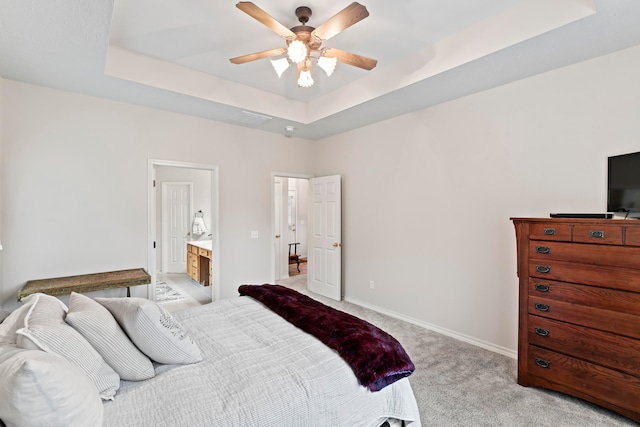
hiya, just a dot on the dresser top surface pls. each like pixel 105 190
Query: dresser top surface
pixel 611 221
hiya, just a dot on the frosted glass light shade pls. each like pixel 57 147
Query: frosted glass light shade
pixel 305 79
pixel 297 51
pixel 327 64
pixel 280 65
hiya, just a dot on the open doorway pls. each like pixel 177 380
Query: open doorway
pixel 183 225
pixel 290 223
pixel 322 232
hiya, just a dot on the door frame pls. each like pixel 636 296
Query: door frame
pixel 151 221
pixel 273 230
pixel 165 219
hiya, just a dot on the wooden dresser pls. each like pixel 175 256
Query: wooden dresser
pixel 579 309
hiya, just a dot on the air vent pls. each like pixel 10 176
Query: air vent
pixel 246 118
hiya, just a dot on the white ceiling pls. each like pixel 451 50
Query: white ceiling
pixel 174 55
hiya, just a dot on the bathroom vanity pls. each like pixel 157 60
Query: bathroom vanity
pixel 200 262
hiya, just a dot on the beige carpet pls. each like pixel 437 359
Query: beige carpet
pixel 459 384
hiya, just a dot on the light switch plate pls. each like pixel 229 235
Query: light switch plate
pixel 254 234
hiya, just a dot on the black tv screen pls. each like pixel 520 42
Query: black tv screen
pixel 623 188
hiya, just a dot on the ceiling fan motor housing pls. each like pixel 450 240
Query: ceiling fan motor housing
pixel 303 32
pixel 303 13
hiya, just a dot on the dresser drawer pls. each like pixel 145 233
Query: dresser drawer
pixel 607 349
pixel 618 256
pixel 599 234
pixel 596 275
pixel 583 315
pixel 632 236
pixel 550 231
pixel 592 381
pixel 593 296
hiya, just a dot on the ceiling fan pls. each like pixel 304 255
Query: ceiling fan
pixel 304 43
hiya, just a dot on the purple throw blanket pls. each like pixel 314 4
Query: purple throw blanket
pixel 377 359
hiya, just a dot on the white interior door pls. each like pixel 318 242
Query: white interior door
pixel 176 224
pixel 325 254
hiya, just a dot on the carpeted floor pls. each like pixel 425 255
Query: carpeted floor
pixel 459 384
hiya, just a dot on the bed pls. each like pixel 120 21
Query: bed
pixel 256 369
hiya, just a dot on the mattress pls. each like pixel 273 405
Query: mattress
pixel 258 370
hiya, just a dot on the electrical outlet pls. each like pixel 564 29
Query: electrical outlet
pixel 371 284
pixel 254 234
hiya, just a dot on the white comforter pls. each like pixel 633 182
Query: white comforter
pixel 258 370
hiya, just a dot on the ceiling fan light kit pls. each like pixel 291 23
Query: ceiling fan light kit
pixel 305 79
pixel 327 64
pixel 297 51
pixel 280 65
pixel 304 42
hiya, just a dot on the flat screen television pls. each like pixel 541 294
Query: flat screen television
pixel 623 186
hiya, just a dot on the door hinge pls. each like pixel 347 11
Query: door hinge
pixel 154 183
pixel 154 245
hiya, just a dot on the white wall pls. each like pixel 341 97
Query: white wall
pixel 427 197
pixel 74 173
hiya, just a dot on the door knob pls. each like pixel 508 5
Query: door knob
pixel 337 245
pixel 277 236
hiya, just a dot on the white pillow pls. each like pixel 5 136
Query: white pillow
pixel 13 322
pixel 45 329
pixel 97 325
pixel 45 390
pixel 153 330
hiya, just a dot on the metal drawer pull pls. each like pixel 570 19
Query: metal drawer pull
pixel 541 307
pixel 543 269
pixel 549 231
pixel 543 249
pixel 542 288
pixel 596 234
pixel 543 363
pixel 542 332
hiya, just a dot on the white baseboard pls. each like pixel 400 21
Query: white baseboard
pixel 471 340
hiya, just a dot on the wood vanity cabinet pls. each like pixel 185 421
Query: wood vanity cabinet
pixel 199 264
pixel 579 309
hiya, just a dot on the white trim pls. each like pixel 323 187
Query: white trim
pixel 291 175
pixel 151 222
pixel 461 337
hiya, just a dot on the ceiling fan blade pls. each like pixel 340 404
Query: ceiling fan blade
pixel 263 17
pixel 342 20
pixel 258 55
pixel 351 58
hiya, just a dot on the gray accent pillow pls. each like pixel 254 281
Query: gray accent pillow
pixel 97 325
pixel 45 329
pixel 153 330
